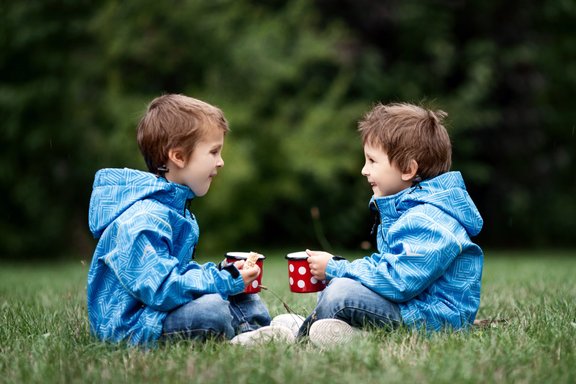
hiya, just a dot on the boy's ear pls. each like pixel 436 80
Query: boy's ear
pixel 411 172
pixel 176 156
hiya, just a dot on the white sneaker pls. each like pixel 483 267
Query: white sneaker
pixel 265 335
pixel 330 332
pixel 288 320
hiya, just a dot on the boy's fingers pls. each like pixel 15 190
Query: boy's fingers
pixel 254 271
pixel 311 253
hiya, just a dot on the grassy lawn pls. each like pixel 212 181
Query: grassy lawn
pixel 44 335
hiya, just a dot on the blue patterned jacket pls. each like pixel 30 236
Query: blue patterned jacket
pixel 426 261
pixel 142 268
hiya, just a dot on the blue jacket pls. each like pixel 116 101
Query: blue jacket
pixel 142 267
pixel 426 261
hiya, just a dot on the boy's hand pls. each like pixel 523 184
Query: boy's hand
pixel 249 274
pixel 317 260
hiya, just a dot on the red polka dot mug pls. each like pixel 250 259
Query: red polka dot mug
pixel 254 287
pixel 299 275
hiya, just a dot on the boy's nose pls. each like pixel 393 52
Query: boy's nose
pixel 364 171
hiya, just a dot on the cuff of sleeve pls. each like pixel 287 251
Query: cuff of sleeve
pixel 336 268
pixel 231 269
pixel 238 285
pixel 231 282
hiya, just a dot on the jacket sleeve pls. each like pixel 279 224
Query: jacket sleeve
pixel 419 251
pixel 146 269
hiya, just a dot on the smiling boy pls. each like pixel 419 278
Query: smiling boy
pixel 143 284
pixel 427 271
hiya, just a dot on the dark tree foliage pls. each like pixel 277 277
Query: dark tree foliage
pixel 512 64
pixel 293 78
pixel 43 142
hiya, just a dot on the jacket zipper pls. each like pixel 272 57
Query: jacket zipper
pixel 377 219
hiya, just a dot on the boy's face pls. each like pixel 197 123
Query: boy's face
pixel 204 163
pixel 384 178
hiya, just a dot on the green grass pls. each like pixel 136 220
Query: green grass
pixel 44 336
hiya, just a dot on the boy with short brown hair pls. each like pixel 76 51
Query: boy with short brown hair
pixel 426 272
pixel 143 284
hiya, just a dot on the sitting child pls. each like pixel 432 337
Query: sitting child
pixel 427 271
pixel 143 284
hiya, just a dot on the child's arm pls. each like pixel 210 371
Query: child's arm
pixel 419 252
pixel 143 264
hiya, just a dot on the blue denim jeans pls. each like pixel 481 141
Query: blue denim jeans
pixel 210 316
pixel 348 300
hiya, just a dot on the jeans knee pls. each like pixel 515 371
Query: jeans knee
pixel 336 294
pixel 349 300
pixel 206 316
pixel 339 289
pixel 216 315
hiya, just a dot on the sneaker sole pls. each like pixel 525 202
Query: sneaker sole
pixel 331 332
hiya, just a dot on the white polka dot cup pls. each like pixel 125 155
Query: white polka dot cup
pixel 254 287
pixel 299 275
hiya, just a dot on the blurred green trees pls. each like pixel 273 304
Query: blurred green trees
pixel 292 77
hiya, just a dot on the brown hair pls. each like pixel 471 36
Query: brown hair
pixel 175 121
pixel 408 132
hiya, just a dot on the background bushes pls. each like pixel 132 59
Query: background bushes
pixel 293 78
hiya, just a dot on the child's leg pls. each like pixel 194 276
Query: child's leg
pixel 348 300
pixel 202 318
pixel 249 312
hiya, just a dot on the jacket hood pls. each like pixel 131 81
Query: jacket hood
pixel 116 190
pixel 447 192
